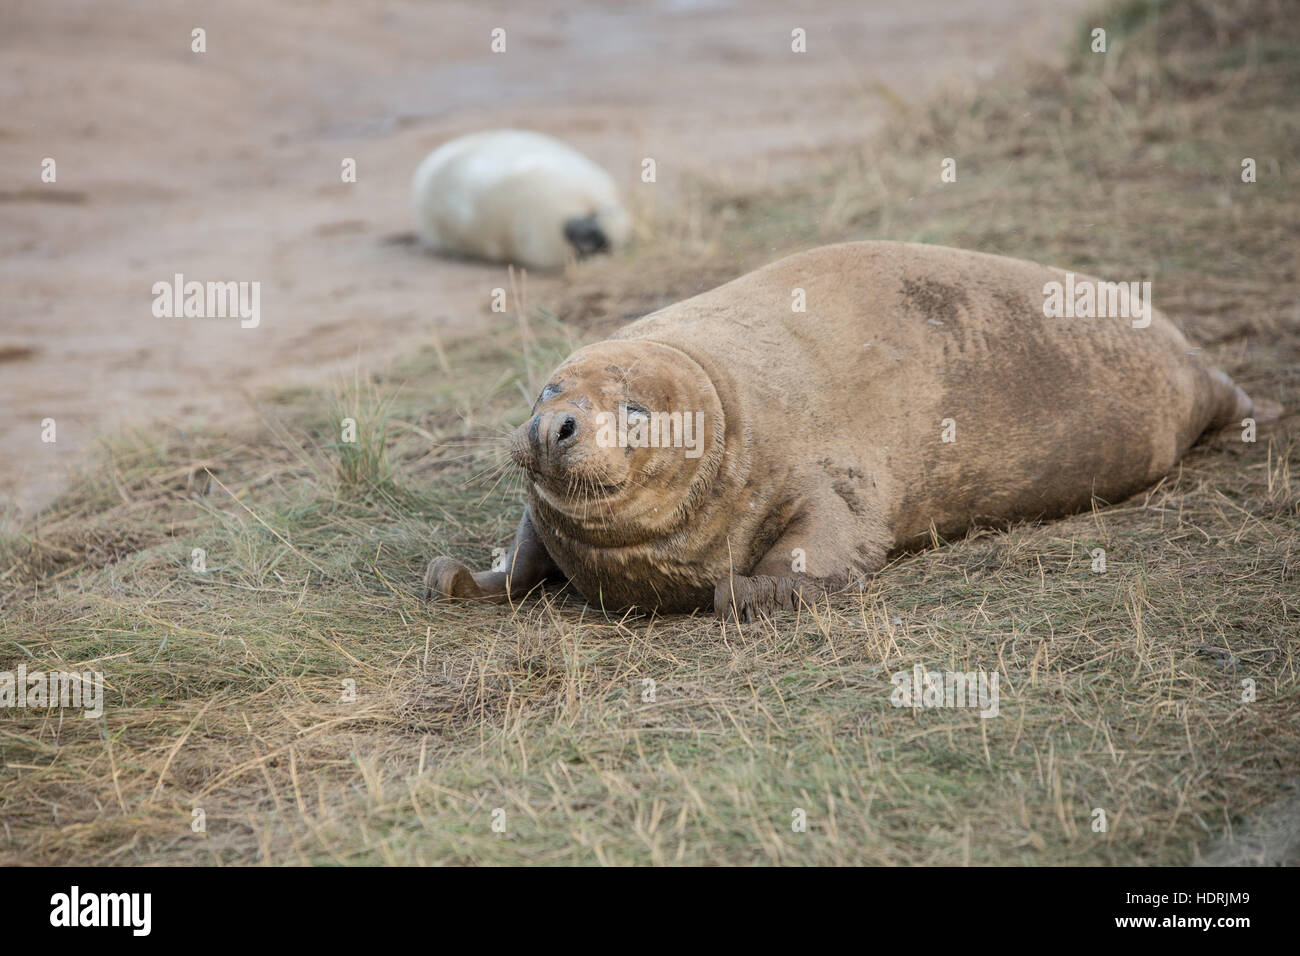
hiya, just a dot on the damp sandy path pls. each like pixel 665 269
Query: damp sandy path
pixel 226 166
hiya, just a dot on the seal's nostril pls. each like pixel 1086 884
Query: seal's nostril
pixel 568 428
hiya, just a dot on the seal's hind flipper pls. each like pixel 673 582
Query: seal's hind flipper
pixel 1266 410
pixel 1237 405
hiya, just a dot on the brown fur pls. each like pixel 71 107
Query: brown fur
pixel 823 428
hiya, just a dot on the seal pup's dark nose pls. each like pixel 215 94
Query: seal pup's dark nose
pixel 586 236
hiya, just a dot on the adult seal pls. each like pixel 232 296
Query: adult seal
pixel 517 196
pixel 923 391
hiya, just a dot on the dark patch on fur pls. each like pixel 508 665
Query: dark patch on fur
pixel 1017 305
pixel 934 300
pixel 846 482
pixel 850 496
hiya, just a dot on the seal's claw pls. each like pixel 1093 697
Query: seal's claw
pixel 448 579
pixel 745 599
pixel 729 598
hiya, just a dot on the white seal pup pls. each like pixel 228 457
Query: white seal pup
pixel 517 196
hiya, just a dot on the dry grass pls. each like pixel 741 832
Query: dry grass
pixel 1119 691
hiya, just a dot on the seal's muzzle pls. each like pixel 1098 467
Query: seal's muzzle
pixel 546 440
pixel 586 236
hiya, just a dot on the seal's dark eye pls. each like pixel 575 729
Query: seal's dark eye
pixel 549 392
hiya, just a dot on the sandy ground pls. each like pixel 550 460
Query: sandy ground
pixel 225 165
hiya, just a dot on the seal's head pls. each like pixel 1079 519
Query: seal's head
pixel 623 437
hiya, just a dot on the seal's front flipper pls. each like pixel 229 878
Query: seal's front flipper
pixel 746 599
pixel 526 565
pixel 448 579
pixel 818 553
